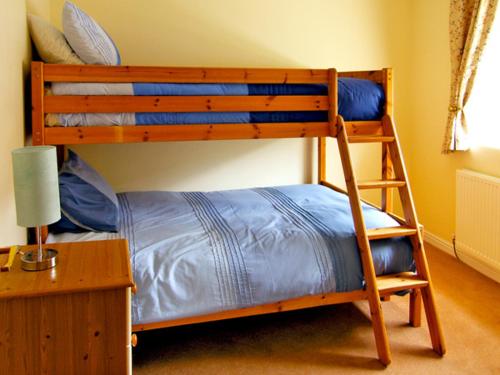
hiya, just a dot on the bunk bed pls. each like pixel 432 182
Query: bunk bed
pixel 325 122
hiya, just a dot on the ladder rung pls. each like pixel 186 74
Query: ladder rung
pixel 379 233
pixel 369 138
pixel 378 184
pixel 389 284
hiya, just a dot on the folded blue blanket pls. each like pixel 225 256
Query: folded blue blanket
pixel 359 100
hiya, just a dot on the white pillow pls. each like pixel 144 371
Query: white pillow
pixel 87 38
pixel 50 42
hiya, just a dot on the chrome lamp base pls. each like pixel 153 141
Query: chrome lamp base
pixel 30 261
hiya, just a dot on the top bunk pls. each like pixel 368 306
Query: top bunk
pixel 69 102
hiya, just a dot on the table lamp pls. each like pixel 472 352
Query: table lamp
pixel 36 189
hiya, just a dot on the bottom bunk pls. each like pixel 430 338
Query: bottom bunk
pixel 202 256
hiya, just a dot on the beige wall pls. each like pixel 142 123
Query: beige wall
pixel 13 63
pixel 14 66
pixel 433 174
pixel 348 34
pixel 39 7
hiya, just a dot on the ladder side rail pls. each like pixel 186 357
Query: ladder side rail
pixel 379 328
pixel 410 215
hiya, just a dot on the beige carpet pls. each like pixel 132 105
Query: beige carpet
pixel 339 339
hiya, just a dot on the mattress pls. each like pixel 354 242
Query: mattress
pixel 196 253
pixel 359 100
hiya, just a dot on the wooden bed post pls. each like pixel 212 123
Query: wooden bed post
pixel 332 120
pixel 321 159
pixel 387 168
pixel 333 101
pixel 61 155
pixel 37 97
pixel 37 115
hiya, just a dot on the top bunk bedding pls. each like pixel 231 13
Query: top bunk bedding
pixel 358 100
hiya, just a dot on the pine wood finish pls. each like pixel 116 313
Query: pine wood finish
pixel 393 175
pixel 387 169
pixel 415 316
pixel 380 332
pixel 379 233
pixel 37 103
pixel 410 215
pixel 156 133
pixel 71 319
pixel 369 139
pixel 389 284
pixel 123 103
pixel 288 305
pixel 46 73
pixel 378 184
pixel 101 73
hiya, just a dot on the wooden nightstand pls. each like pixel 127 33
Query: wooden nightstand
pixel 71 319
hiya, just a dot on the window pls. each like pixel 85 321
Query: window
pixel 483 107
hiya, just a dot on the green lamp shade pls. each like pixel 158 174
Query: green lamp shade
pixel 36 185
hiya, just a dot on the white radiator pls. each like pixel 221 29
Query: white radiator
pixel 477 238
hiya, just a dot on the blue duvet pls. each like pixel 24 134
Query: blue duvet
pixel 196 253
pixel 358 99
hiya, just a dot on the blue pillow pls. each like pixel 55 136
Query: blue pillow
pixel 89 40
pixel 360 99
pixel 64 225
pixel 87 201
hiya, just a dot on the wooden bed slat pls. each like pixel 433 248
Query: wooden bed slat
pixel 372 75
pixel 99 73
pixel 390 232
pixel 117 103
pixel 158 133
pixel 369 139
pixel 354 128
pixel 288 305
pixel 389 284
pixel 380 184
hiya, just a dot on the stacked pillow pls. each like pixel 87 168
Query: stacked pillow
pixel 50 42
pixel 87 38
pixel 83 42
pixel 87 200
pixel 88 203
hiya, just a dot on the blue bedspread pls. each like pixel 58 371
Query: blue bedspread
pixel 195 253
pixel 359 100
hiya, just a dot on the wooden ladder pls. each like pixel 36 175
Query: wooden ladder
pixel 419 282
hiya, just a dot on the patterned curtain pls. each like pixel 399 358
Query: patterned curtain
pixel 470 23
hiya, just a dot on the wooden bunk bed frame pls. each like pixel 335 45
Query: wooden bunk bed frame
pixel 393 174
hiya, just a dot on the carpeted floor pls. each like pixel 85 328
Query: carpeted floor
pixel 339 339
